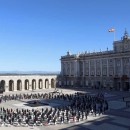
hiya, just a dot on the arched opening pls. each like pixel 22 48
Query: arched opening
pixel 19 85
pixel 26 84
pixel 52 83
pixel 2 86
pixel 33 84
pixel 11 85
pixel 46 83
pixel 40 84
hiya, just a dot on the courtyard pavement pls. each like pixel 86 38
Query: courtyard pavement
pixel 116 118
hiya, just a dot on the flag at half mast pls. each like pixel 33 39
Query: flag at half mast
pixel 111 30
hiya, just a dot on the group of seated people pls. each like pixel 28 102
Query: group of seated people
pixel 80 107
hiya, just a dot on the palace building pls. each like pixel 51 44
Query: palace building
pixel 104 69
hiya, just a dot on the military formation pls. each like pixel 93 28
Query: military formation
pixel 77 108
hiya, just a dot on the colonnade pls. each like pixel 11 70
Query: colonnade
pixel 21 83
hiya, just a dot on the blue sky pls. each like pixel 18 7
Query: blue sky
pixel 34 34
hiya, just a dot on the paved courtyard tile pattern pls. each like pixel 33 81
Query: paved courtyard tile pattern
pixel 117 117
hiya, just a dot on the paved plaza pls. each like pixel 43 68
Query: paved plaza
pixel 116 118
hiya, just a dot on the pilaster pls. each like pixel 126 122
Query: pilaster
pixel 107 68
pixel 7 86
pixel 15 85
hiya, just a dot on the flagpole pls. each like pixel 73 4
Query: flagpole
pixel 114 35
pixel 114 31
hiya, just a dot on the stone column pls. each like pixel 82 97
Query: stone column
pixel 70 68
pixel 89 69
pixel 30 84
pixel 43 85
pixel 101 66
pixel 108 80
pixel 121 74
pixel 101 73
pixel 121 66
pixel 76 68
pixel 83 69
pixel 83 82
pixel 15 85
pixel 22 85
pixel 107 69
pixel 37 84
pixel 6 86
pixel 114 67
pixel 65 68
pixel 54 81
pixel 95 67
pixel 76 72
pixel 49 83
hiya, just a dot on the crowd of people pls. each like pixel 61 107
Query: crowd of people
pixel 80 106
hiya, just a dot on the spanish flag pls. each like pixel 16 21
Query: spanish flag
pixel 111 30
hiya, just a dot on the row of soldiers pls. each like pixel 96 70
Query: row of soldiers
pixel 50 95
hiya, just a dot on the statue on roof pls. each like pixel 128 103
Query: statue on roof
pixel 68 53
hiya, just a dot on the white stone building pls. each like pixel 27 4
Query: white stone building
pixel 23 82
pixel 110 68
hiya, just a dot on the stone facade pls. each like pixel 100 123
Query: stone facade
pixel 26 82
pixel 104 69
